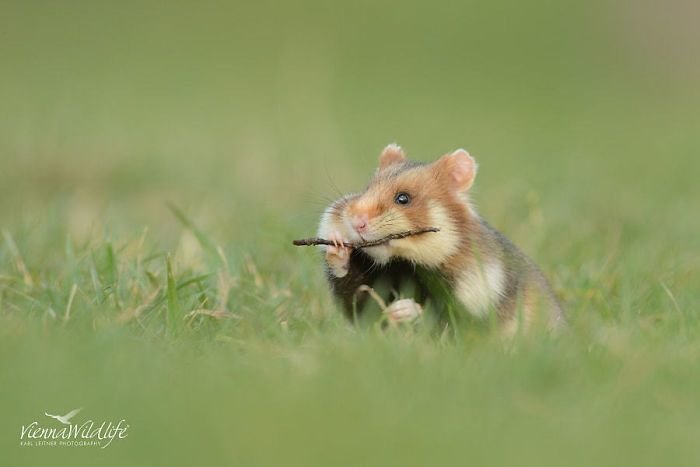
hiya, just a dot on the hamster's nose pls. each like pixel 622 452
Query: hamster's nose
pixel 360 223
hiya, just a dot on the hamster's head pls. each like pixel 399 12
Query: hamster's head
pixel 404 195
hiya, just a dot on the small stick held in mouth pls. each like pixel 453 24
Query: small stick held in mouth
pixel 396 236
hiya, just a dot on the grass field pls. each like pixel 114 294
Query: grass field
pixel 156 162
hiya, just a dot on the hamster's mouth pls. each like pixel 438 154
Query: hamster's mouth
pixel 367 236
pixel 372 235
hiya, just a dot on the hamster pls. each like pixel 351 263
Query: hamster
pixel 467 269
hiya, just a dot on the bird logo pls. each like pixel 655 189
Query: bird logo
pixel 65 419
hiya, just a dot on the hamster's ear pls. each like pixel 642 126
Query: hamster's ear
pixel 392 154
pixel 460 169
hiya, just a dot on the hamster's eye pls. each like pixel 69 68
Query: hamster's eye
pixel 402 198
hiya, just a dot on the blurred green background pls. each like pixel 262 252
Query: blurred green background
pixel 251 117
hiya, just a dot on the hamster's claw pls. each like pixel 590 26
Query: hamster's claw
pixel 337 239
pixel 338 255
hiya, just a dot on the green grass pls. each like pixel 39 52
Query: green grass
pixel 155 164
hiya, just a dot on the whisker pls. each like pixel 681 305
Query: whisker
pixel 334 186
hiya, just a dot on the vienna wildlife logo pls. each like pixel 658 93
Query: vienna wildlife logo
pixel 84 433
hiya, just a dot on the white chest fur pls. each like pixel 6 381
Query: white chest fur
pixel 480 287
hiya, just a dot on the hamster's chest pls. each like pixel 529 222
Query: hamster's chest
pixel 398 278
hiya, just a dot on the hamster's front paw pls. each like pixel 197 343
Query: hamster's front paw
pixel 338 256
pixel 404 311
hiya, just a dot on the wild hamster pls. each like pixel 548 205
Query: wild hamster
pixel 467 268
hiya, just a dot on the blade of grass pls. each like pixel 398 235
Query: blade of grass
pixel 174 315
pixel 94 277
pixel 202 238
pixel 19 262
pixel 110 265
pixel 73 290
pixel 113 275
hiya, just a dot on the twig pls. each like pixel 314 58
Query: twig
pixel 388 238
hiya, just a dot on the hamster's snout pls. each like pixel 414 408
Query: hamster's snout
pixel 359 223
